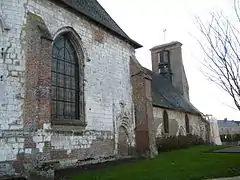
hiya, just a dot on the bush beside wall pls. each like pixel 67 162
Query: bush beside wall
pixel 168 143
pixel 230 137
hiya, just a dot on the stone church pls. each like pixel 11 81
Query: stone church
pixel 72 91
pixel 161 95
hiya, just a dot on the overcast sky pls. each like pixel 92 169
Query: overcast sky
pixel 144 21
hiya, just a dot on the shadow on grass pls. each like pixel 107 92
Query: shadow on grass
pixel 68 173
pixel 186 164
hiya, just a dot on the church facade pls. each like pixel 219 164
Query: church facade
pixel 65 91
pixel 71 93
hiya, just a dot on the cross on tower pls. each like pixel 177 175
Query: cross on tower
pixel 164 34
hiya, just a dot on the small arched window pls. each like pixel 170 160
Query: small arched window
pixel 65 80
pixel 187 124
pixel 165 122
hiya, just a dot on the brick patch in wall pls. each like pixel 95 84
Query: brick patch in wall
pixel 29 143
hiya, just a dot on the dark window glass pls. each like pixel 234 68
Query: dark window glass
pixel 165 122
pixel 65 80
pixel 164 56
pixel 164 61
pixel 187 124
pixel 159 57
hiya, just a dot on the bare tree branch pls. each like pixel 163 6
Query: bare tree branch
pixel 221 47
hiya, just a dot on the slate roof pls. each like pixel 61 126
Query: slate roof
pixel 94 11
pixel 231 123
pixel 165 95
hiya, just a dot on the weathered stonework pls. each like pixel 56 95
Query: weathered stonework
pixel 177 125
pixel 29 142
pixel 142 98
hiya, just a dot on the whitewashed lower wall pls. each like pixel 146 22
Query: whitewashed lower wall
pixel 177 123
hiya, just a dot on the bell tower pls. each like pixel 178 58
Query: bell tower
pixel 167 60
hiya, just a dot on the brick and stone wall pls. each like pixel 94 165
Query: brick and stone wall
pixel 28 140
pixel 142 99
pixel 177 124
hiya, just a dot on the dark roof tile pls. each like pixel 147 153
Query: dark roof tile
pixel 165 95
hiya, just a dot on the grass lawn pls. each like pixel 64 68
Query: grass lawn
pixel 188 164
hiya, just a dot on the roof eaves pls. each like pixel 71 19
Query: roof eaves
pixel 177 109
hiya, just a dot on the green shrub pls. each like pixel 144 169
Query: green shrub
pixel 168 143
pixel 230 137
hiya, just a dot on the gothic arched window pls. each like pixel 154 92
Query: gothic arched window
pixel 187 124
pixel 65 80
pixel 165 122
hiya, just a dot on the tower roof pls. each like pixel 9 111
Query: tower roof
pixel 166 45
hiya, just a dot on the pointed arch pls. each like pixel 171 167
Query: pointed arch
pixel 68 102
pixel 165 121
pixel 75 40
